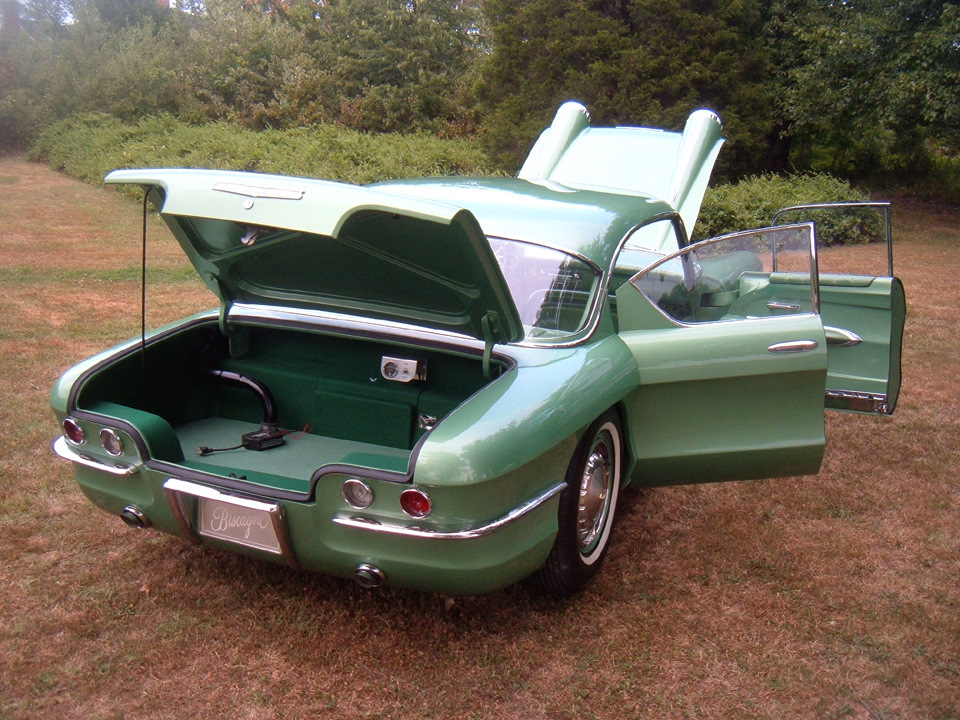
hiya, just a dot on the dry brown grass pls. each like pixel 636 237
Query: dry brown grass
pixel 835 596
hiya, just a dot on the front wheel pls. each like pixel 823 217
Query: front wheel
pixel 587 508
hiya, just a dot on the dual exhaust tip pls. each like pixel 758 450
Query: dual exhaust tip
pixel 133 517
pixel 369 576
pixel 366 576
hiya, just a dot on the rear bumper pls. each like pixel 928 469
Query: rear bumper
pixel 470 559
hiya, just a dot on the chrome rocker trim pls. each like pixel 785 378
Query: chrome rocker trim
pixel 369 524
pixel 861 401
pixel 61 448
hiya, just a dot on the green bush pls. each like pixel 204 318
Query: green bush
pixel 943 180
pixel 753 202
pixel 90 145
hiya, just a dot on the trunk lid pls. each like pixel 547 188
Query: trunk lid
pixel 303 243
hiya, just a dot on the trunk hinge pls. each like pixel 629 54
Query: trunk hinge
pixel 237 337
pixel 490 323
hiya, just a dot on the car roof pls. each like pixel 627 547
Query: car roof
pixel 584 222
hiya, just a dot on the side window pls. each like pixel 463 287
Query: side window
pixel 645 246
pixel 853 239
pixel 758 273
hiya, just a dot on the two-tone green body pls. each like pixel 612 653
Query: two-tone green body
pixel 510 351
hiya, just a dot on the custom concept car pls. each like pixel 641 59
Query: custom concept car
pixel 446 383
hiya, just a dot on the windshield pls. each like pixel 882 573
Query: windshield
pixel 553 291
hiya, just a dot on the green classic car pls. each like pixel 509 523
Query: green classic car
pixel 445 383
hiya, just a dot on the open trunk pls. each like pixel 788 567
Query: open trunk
pixel 265 399
pixel 192 402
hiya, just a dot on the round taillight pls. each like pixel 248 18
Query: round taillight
pixel 111 442
pixel 357 493
pixel 73 431
pixel 415 503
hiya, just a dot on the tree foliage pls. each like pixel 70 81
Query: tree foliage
pixel 386 65
pixel 873 82
pixel 851 86
pixel 633 61
pixel 856 87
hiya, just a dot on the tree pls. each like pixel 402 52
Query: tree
pixel 646 62
pixel 873 82
pixel 544 52
pixel 397 65
pixel 127 13
pixel 9 20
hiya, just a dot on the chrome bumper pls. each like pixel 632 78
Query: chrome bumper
pixel 64 450
pixel 370 525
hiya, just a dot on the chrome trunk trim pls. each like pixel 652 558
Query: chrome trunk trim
pixel 371 525
pixel 258 191
pixel 64 450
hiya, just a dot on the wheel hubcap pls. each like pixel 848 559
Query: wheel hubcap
pixel 594 495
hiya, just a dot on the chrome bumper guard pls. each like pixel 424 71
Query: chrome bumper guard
pixel 64 450
pixel 371 525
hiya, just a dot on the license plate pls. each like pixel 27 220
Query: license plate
pixel 244 522
pixel 232 518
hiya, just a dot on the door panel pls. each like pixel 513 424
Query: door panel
pixel 864 370
pixel 716 403
pixel 862 304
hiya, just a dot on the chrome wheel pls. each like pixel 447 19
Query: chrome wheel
pixel 587 509
pixel 594 494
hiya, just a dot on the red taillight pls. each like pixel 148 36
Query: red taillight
pixel 415 503
pixel 73 431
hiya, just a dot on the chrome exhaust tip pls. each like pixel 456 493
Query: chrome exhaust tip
pixel 133 517
pixel 368 576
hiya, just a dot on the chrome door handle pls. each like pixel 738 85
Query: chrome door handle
pixel 794 346
pixel 840 337
pixel 788 307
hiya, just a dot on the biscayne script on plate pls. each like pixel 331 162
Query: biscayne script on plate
pixel 224 520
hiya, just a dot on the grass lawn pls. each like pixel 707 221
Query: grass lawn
pixel 825 597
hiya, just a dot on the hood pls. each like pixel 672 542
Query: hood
pixel 301 243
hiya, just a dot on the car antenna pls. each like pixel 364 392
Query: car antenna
pixel 143 295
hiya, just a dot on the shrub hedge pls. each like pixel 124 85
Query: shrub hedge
pixel 90 145
pixel 752 203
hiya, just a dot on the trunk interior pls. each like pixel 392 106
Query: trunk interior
pixel 332 402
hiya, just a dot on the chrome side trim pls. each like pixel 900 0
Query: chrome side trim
pixel 861 401
pixel 61 448
pixel 794 346
pixel 368 524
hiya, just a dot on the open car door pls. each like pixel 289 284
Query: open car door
pixel 731 356
pixel 862 303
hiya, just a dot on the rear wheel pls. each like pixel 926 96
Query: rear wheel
pixel 587 508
